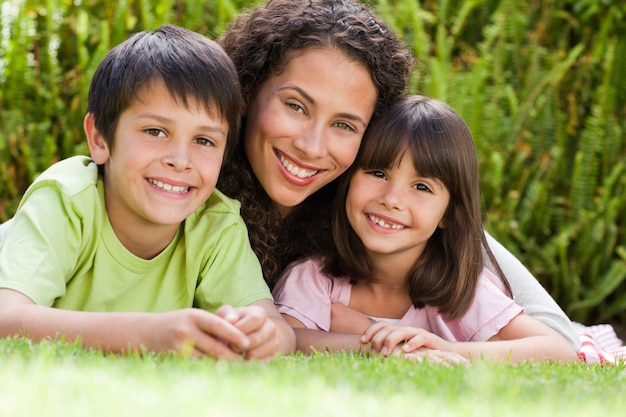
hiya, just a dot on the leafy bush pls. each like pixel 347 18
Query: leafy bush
pixel 540 83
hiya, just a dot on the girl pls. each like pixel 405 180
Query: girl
pixel 406 275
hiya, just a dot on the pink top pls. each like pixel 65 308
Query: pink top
pixel 306 294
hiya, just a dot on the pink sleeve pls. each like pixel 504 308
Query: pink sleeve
pixel 490 311
pixel 304 293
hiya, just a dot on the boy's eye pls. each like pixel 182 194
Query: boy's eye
pixel 204 141
pixel 155 132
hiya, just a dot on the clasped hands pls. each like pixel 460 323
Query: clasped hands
pixel 390 340
pixel 231 333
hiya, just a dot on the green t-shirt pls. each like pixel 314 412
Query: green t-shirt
pixel 61 251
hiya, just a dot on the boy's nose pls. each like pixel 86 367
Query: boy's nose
pixel 178 156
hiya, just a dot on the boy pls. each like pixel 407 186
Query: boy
pixel 115 249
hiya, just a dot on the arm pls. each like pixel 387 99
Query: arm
pixel 344 319
pixel 310 340
pixel 191 331
pixel 529 293
pixel 522 339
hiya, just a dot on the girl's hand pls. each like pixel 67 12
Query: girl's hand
pixel 434 356
pixel 344 319
pixel 386 338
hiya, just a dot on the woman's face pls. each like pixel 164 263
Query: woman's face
pixel 305 125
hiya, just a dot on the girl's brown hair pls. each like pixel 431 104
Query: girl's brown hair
pixel 441 146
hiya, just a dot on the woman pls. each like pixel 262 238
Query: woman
pixel 313 73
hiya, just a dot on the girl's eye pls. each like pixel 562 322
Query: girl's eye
pixel 345 126
pixel 155 132
pixel 296 107
pixel 422 187
pixel 204 141
pixel 377 174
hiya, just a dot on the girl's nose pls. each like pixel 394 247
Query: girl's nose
pixel 391 197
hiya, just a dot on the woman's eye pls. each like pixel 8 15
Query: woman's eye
pixel 155 132
pixel 296 107
pixel 345 126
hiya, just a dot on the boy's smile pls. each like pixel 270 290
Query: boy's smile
pixel 164 164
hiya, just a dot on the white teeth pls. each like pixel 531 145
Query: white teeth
pixel 297 171
pixel 384 224
pixel 168 187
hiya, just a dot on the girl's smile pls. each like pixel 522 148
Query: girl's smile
pixel 395 211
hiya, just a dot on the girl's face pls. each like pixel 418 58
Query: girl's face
pixel 305 125
pixel 395 211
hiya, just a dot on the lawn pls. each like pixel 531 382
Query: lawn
pixel 55 379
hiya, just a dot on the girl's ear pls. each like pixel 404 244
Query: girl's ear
pixel 98 147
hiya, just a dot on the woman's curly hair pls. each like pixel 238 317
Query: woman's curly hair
pixel 259 42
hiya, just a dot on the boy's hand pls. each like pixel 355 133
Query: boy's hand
pixel 199 333
pixel 255 323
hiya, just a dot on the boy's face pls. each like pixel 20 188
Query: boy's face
pixel 165 161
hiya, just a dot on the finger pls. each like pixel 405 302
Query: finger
pixel 205 345
pixel 397 337
pixel 379 341
pixel 449 358
pixel 416 342
pixel 251 318
pixel 372 330
pixel 228 313
pixel 263 341
pixel 265 351
pixel 216 327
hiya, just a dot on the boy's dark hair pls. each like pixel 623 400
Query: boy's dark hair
pixel 190 66
pixel 442 147
pixel 261 43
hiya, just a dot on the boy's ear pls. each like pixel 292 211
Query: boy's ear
pixel 98 147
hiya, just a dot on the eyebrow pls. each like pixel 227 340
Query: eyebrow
pixel 213 128
pixel 306 95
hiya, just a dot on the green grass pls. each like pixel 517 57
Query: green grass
pixel 55 379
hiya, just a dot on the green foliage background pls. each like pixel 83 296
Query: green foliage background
pixel 540 82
